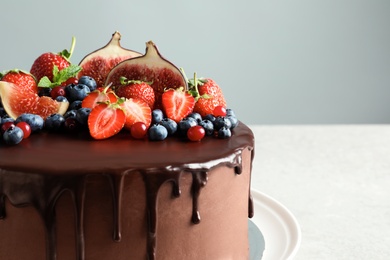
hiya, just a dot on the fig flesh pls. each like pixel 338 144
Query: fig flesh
pixel 17 101
pixel 151 67
pixel 98 63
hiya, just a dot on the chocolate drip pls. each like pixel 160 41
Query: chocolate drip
pixel 2 206
pixel 116 183
pixel 153 182
pixel 251 210
pixel 199 180
pixel 79 201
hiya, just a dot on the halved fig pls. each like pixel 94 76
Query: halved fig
pixel 17 101
pixel 98 63
pixel 151 67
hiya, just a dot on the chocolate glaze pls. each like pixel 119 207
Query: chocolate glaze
pixel 40 169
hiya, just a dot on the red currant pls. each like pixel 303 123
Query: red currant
pixel 26 128
pixel 71 80
pixel 219 111
pixel 57 91
pixel 6 125
pixel 196 133
pixel 138 130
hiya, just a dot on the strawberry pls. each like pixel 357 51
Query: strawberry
pixel 177 104
pixel 136 89
pixel 208 95
pixel 106 120
pixel 136 110
pixel 97 96
pixel 20 78
pixel 45 63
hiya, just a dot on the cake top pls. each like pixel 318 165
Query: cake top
pixel 112 90
pixel 48 153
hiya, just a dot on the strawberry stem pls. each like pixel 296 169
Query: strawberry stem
pixel 72 46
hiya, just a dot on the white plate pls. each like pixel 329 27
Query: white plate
pixel 278 225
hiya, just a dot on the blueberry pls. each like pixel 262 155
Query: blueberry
pixel 72 125
pixel 195 116
pixel 7 119
pixel 76 91
pixel 89 82
pixel 75 105
pixel 208 126
pixel 13 135
pixel 170 125
pixel 185 124
pixel 70 113
pixel 220 122
pixel 230 112
pixel 209 117
pixel 82 115
pixel 54 122
pixel 224 132
pixel 233 120
pixel 61 99
pixel 36 122
pixel 157 132
pixel 157 116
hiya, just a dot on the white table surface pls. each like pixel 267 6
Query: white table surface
pixel 335 179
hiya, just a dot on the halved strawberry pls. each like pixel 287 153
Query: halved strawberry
pixel 97 96
pixel 106 120
pixel 177 104
pixel 136 110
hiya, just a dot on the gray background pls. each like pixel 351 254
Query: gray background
pixel 278 62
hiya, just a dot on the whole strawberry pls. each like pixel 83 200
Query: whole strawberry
pixel 136 89
pixel 208 95
pixel 45 63
pixel 20 78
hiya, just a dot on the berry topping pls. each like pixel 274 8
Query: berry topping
pixel 196 133
pixel 22 79
pixel 157 132
pixel 98 96
pixel 106 120
pixel 26 128
pixel 136 89
pixel 138 130
pixel 76 92
pixel 54 122
pixel 36 122
pixel 177 104
pixel 157 116
pixel 88 81
pixel 136 110
pixel 170 125
pixel 13 135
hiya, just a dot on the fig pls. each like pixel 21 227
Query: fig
pixel 151 67
pixel 17 101
pixel 98 63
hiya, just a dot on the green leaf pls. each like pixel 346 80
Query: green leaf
pixel 45 82
pixel 64 74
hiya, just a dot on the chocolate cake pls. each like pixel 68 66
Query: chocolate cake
pixel 71 197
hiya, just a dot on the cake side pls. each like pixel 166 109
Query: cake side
pixel 143 206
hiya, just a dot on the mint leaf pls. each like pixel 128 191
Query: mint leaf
pixel 64 74
pixel 45 82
